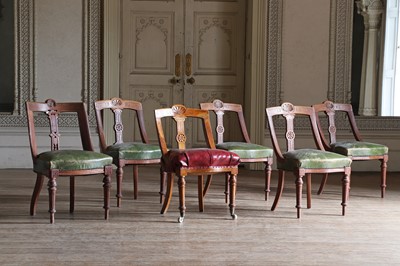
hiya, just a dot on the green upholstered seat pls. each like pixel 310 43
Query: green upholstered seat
pixel 312 159
pixel 359 148
pixel 134 151
pixel 246 150
pixel 65 160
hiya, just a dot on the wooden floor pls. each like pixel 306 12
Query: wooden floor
pixel 137 234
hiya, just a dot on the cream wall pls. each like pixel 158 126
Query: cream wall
pixel 59 57
pixel 58 49
pixel 60 65
pixel 305 51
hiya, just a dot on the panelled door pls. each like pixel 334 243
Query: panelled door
pixel 182 51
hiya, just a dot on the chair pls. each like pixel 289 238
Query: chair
pixel 247 151
pixel 61 162
pixel 356 149
pixel 304 161
pixel 182 161
pixel 126 153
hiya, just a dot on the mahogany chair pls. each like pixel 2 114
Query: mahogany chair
pixel 126 153
pixel 182 161
pixel 247 151
pixel 304 161
pixel 57 162
pixel 356 149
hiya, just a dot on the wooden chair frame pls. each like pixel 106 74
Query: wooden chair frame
pixel 220 109
pixel 289 112
pixel 180 113
pixel 117 106
pixel 330 109
pixel 53 110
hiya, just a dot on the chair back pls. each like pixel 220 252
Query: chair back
pixel 117 106
pixel 220 108
pixel 180 113
pixel 290 112
pixel 52 110
pixel 333 112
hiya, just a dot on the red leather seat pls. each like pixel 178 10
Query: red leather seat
pixel 182 161
pixel 198 158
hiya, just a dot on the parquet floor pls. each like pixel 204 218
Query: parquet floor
pixel 137 234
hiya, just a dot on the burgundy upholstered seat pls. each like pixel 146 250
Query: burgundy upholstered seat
pixel 182 161
pixel 198 158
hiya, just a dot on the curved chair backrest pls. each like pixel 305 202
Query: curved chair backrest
pixel 179 113
pixel 53 109
pixel 332 111
pixel 290 112
pixel 220 108
pixel 117 105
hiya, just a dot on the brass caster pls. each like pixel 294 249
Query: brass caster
pixel 180 219
pixel 234 216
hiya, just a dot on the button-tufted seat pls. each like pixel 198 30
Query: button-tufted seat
pixel 183 161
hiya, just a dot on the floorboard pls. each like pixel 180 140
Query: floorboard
pixel 137 234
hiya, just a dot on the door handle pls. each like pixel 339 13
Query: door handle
pixel 178 65
pixel 188 70
pixel 174 81
pixel 191 80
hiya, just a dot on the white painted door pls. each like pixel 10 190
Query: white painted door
pixel 182 51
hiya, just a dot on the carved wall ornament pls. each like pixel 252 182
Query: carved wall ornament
pixel 372 11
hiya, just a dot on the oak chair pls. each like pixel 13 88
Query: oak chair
pixel 62 162
pixel 304 161
pixel 126 153
pixel 182 161
pixel 247 151
pixel 356 148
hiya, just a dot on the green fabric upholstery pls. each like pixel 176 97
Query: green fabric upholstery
pixel 246 150
pixel 311 159
pixel 134 151
pixel 70 160
pixel 358 148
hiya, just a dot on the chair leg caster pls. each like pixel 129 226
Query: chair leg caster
pixel 234 216
pixel 180 219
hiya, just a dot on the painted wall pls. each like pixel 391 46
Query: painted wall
pixel 58 49
pixel 59 59
pixel 305 51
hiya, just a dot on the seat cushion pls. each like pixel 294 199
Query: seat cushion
pixel 134 151
pixel 198 158
pixel 312 159
pixel 64 160
pixel 359 148
pixel 246 150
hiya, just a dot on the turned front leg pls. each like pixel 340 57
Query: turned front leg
pixel 182 206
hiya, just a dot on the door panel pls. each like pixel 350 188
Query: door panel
pixel 181 51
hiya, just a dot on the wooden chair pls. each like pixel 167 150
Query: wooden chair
pixel 126 153
pixel 304 161
pixel 356 148
pixel 182 161
pixel 61 162
pixel 247 151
